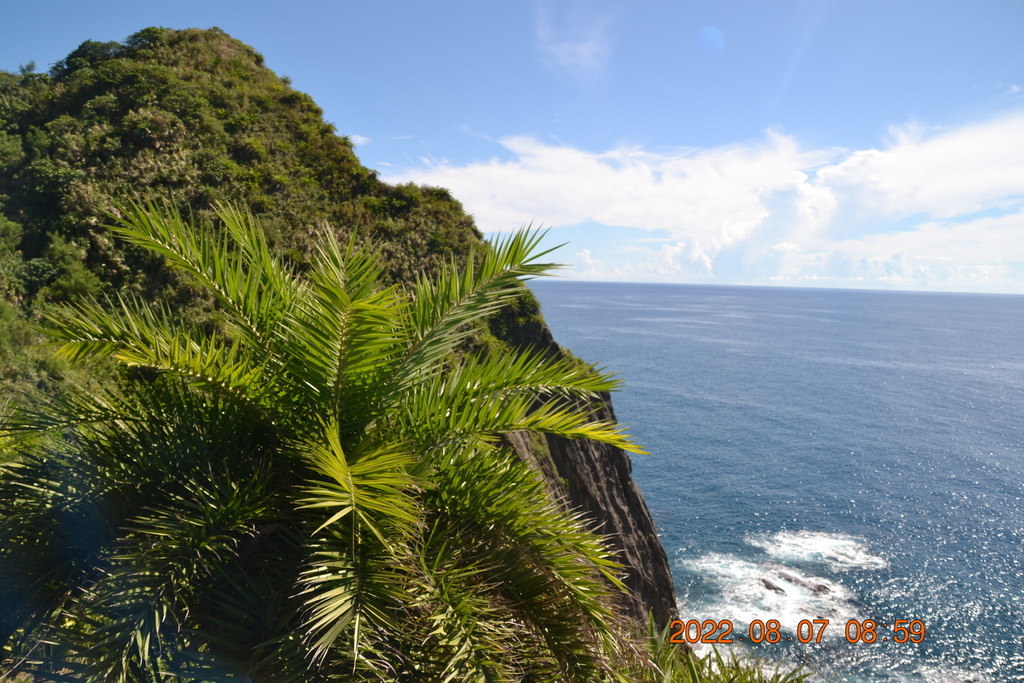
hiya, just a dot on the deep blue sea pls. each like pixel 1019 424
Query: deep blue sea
pixel 832 454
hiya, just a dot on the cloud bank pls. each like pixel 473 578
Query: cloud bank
pixel 931 209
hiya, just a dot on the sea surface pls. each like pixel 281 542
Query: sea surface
pixel 827 454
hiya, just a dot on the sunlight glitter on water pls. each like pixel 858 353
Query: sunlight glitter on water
pixel 869 443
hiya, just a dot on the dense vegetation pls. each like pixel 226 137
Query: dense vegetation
pixel 259 455
pixel 191 117
pixel 195 118
pixel 315 491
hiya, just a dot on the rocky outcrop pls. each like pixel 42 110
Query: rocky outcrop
pixel 597 479
pixel 601 483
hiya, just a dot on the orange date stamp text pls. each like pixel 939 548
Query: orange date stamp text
pixel 694 631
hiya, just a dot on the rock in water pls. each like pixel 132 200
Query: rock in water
pixel 772 587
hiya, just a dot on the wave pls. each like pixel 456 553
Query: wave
pixel 749 591
pixel 837 551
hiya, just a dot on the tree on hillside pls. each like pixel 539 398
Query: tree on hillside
pixel 193 117
pixel 313 490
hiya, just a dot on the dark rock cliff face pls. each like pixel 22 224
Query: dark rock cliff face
pixel 597 479
pixel 601 483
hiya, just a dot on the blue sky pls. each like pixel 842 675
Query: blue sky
pixel 829 143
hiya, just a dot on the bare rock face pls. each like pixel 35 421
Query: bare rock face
pixel 597 479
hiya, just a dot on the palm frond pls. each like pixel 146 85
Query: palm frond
pixel 443 307
pixel 552 574
pixel 472 401
pixel 372 483
pixel 151 593
pixel 236 267
pixel 349 593
pixel 312 491
pixel 466 634
pixel 135 337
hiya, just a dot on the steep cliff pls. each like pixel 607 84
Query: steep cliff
pixel 194 117
pixel 597 479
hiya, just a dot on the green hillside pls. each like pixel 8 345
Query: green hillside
pixel 193 117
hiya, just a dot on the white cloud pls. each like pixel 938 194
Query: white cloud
pixel 934 208
pixel 674 262
pixel 586 266
pixel 957 171
pixel 580 48
pixel 948 241
pixel 967 254
pixel 359 140
pixel 713 198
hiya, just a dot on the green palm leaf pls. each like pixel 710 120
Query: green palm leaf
pixel 311 490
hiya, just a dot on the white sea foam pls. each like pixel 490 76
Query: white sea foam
pixel 837 551
pixel 749 591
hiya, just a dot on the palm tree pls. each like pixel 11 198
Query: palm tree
pixel 314 487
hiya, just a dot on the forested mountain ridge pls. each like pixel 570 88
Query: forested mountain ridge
pixel 193 117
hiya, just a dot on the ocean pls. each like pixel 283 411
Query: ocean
pixel 849 456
